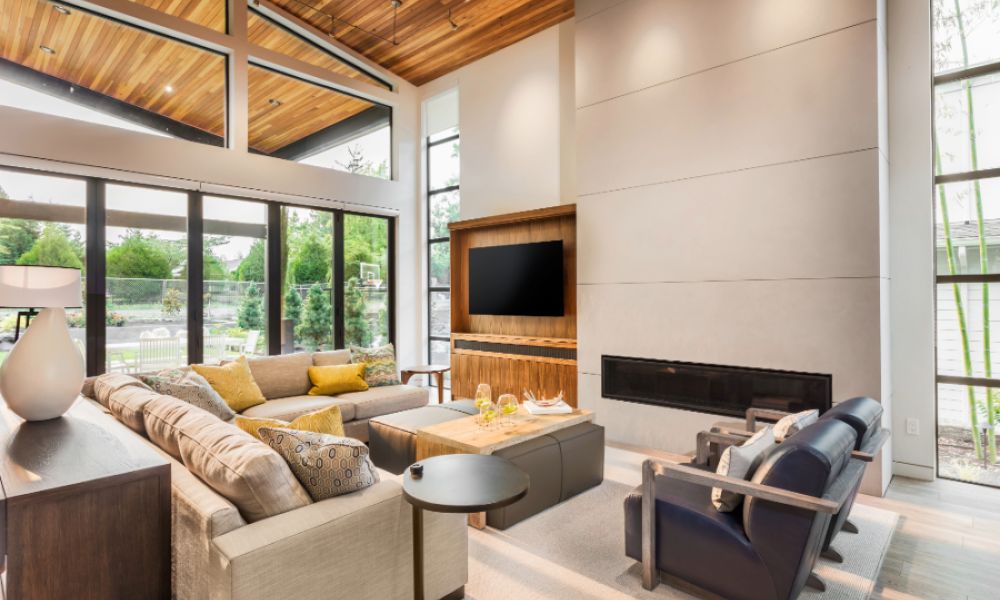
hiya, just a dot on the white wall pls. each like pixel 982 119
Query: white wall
pixel 912 241
pixel 516 121
pixel 732 196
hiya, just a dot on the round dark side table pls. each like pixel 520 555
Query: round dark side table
pixel 458 483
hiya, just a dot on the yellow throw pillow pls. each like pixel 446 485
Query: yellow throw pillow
pixel 337 379
pixel 326 420
pixel 234 382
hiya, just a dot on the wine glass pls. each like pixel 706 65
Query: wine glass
pixel 484 395
pixel 488 414
pixel 507 403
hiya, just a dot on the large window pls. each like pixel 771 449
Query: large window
pixel 177 276
pixel 135 79
pixel 967 202
pixel 443 169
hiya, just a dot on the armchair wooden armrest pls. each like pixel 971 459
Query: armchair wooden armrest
pixel 830 503
pixel 872 446
pixel 753 414
pixel 705 439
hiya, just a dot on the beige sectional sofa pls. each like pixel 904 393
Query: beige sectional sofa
pixel 284 381
pixel 355 546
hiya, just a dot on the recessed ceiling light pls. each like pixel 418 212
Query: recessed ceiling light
pixel 168 89
pixel 274 102
pixel 61 9
pixel 47 50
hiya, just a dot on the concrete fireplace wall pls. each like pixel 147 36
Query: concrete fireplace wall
pixel 732 199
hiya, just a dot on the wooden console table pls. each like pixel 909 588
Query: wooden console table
pixel 86 509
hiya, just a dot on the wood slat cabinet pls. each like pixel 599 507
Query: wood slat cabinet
pixel 514 353
pixel 87 509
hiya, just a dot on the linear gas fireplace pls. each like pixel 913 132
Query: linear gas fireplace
pixel 712 389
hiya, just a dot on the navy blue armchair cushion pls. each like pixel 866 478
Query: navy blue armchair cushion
pixel 863 414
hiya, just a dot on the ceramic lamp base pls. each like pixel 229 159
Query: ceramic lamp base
pixel 43 374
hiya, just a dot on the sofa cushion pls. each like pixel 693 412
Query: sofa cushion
pixel 326 465
pixel 287 409
pixel 240 468
pixel 105 385
pixel 331 357
pixel 281 376
pixel 386 399
pixel 166 417
pixel 127 403
pixel 325 420
pixel 337 379
pixel 380 364
pixel 235 383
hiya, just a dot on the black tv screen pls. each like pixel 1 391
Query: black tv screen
pixel 522 280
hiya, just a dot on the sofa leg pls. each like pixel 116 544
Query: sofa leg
pixel 831 554
pixel 815 582
pixel 849 527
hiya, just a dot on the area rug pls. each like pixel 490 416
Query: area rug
pixel 576 550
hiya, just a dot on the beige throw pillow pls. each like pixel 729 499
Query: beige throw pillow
pixel 740 462
pixel 326 465
pixel 792 424
pixel 189 386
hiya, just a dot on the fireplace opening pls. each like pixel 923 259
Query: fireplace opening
pixel 714 389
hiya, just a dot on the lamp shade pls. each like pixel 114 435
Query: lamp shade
pixel 23 286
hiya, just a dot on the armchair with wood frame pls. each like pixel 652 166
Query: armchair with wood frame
pixel 862 414
pixel 764 550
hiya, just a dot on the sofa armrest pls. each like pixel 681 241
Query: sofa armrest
pixel 353 546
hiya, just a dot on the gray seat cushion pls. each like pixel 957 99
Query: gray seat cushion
pixel 392 438
pixel 542 460
pixel 582 449
pixel 387 399
pixel 288 408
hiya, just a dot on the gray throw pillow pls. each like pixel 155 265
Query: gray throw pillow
pixel 326 465
pixel 789 425
pixel 189 386
pixel 740 462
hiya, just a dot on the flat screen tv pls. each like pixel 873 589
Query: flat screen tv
pixel 522 280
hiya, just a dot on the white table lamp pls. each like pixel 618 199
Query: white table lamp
pixel 43 374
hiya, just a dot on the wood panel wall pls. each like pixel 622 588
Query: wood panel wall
pixel 509 372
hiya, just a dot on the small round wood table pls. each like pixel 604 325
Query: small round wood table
pixel 437 371
pixel 458 483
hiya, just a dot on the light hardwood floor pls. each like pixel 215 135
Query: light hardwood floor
pixel 947 543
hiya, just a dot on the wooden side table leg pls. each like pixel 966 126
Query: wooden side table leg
pixel 405 377
pixel 477 520
pixel 440 381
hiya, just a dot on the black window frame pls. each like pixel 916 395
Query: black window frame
pixel 432 241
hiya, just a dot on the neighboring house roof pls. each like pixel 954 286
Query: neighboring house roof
pixel 966 233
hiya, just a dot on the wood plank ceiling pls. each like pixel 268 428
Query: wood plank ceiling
pixel 427 47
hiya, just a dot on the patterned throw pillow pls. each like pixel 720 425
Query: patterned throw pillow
pixel 325 465
pixel 740 462
pixel 380 364
pixel 186 385
pixel 792 424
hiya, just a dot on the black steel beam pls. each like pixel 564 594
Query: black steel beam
pixel 363 123
pixel 391 279
pixel 96 281
pixel 338 279
pixel 77 94
pixel 273 278
pixel 196 279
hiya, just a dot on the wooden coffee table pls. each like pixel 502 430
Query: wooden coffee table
pixel 464 436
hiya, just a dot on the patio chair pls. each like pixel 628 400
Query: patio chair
pixel 159 353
